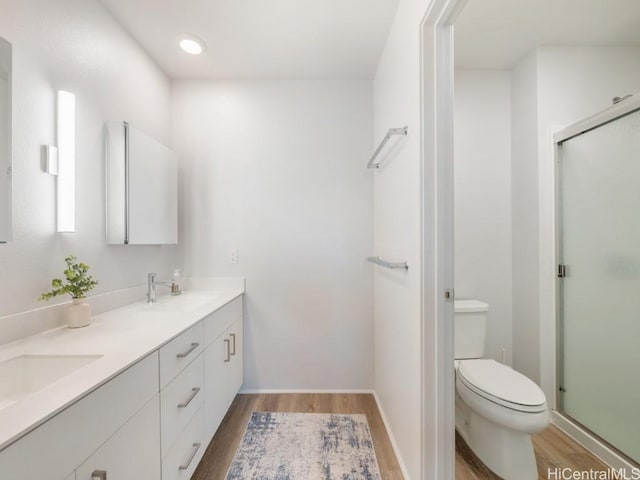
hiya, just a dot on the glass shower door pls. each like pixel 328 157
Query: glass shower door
pixel 599 245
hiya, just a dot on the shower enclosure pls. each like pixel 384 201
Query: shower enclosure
pixel 598 248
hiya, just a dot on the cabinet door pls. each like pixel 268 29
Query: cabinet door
pixel 132 452
pixel 142 188
pixel 235 366
pixel 217 323
pixel 215 372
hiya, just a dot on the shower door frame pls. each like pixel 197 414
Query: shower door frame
pixel 592 441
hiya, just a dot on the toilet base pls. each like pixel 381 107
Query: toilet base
pixel 507 453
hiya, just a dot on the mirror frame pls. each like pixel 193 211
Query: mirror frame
pixel 6 73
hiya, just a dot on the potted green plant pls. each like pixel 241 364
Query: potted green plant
pixel 77 284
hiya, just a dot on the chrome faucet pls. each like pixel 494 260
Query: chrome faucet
pixel 151 287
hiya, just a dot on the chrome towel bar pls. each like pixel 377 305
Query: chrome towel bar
pixel 384 263
pixel 390 133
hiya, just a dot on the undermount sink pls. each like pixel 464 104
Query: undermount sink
pixel 28 374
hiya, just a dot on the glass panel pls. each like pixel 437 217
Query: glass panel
pixel 600 317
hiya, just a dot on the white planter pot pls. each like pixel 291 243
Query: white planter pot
pixel 78 314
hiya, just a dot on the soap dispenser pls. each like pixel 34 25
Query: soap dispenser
pixel 176 287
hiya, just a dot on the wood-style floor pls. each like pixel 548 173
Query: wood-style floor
pixel 219 454
pixel 553 448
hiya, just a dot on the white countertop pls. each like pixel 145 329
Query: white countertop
pixel 122 336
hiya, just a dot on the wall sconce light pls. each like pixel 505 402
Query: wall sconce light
pixel 66 184
pixel 61 162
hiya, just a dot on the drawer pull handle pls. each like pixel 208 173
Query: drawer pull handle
pixel 99 475
pixel 194 392
pixel 193 346
pixel 233 347
pixel 227 342
pixel 196 447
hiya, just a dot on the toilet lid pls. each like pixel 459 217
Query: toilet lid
pixel 500 383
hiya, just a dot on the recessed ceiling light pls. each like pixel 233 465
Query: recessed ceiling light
pixel 191 44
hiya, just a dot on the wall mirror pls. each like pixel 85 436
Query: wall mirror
pixel 5 141
pixel 142 188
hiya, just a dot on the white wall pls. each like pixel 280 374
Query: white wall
pixel 524 209
pixel 397 200
pixel 74 45
pixel 551 88
pixel 482 181
pixel 277 170
pixel 79 47
pixel 576 82
pixel 573 83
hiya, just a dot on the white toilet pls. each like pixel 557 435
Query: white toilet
pixel 497 408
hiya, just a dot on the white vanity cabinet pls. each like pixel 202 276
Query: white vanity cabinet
pixel 63 443
pixel 223 362
pixel 152 421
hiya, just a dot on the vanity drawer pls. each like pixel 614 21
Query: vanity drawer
pixel 180 352
pixel 185 454
pixel 180 400
pixel 216 323
pixel 58 446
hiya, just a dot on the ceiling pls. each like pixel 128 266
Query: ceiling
pixel 261 38
pixel 494 34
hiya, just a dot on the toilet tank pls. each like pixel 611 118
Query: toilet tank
pixel 470 328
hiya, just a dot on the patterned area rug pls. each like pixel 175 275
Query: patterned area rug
pixel 305 446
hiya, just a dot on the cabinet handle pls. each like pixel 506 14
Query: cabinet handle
pixel 233 348
pixel 196 447
pixel 194 392
pixel 193 346
pixel 99 475
pixel 227 342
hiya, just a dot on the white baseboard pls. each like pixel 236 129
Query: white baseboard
pixel 298 391
pixel 392 439
pixel 595 446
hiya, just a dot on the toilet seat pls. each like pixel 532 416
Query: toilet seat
pixel 501 385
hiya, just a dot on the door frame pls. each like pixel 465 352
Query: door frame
pixel 610 114
pixel 437 269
